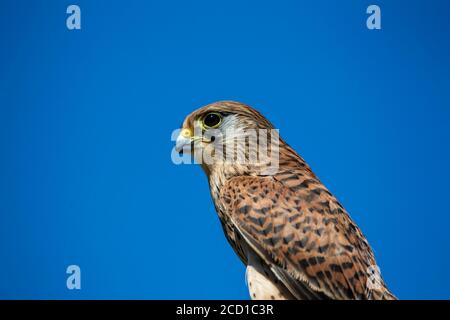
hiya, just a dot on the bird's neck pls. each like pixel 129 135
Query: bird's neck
pixel 219 174
pixel 287 161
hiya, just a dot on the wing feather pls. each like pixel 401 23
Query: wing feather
pixel 310 242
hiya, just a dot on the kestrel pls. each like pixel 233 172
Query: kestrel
pixel 296 239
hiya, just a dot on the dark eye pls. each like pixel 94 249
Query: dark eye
pixel 212 120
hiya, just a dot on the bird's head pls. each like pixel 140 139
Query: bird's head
pixel 227 135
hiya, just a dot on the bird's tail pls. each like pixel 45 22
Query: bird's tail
pixel 383 294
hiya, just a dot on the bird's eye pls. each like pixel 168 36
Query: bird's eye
pixel 212 120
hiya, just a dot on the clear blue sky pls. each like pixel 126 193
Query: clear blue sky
pixel 86 116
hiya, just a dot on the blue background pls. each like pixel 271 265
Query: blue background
pixel 86 119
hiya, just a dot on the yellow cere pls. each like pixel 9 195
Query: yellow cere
pixel 186 133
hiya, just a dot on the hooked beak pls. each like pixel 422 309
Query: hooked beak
pixel 182 143
pixel 185 141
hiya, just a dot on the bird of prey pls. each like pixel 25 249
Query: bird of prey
pixel 296 239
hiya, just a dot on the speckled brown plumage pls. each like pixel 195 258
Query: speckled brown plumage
pixel 303 241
